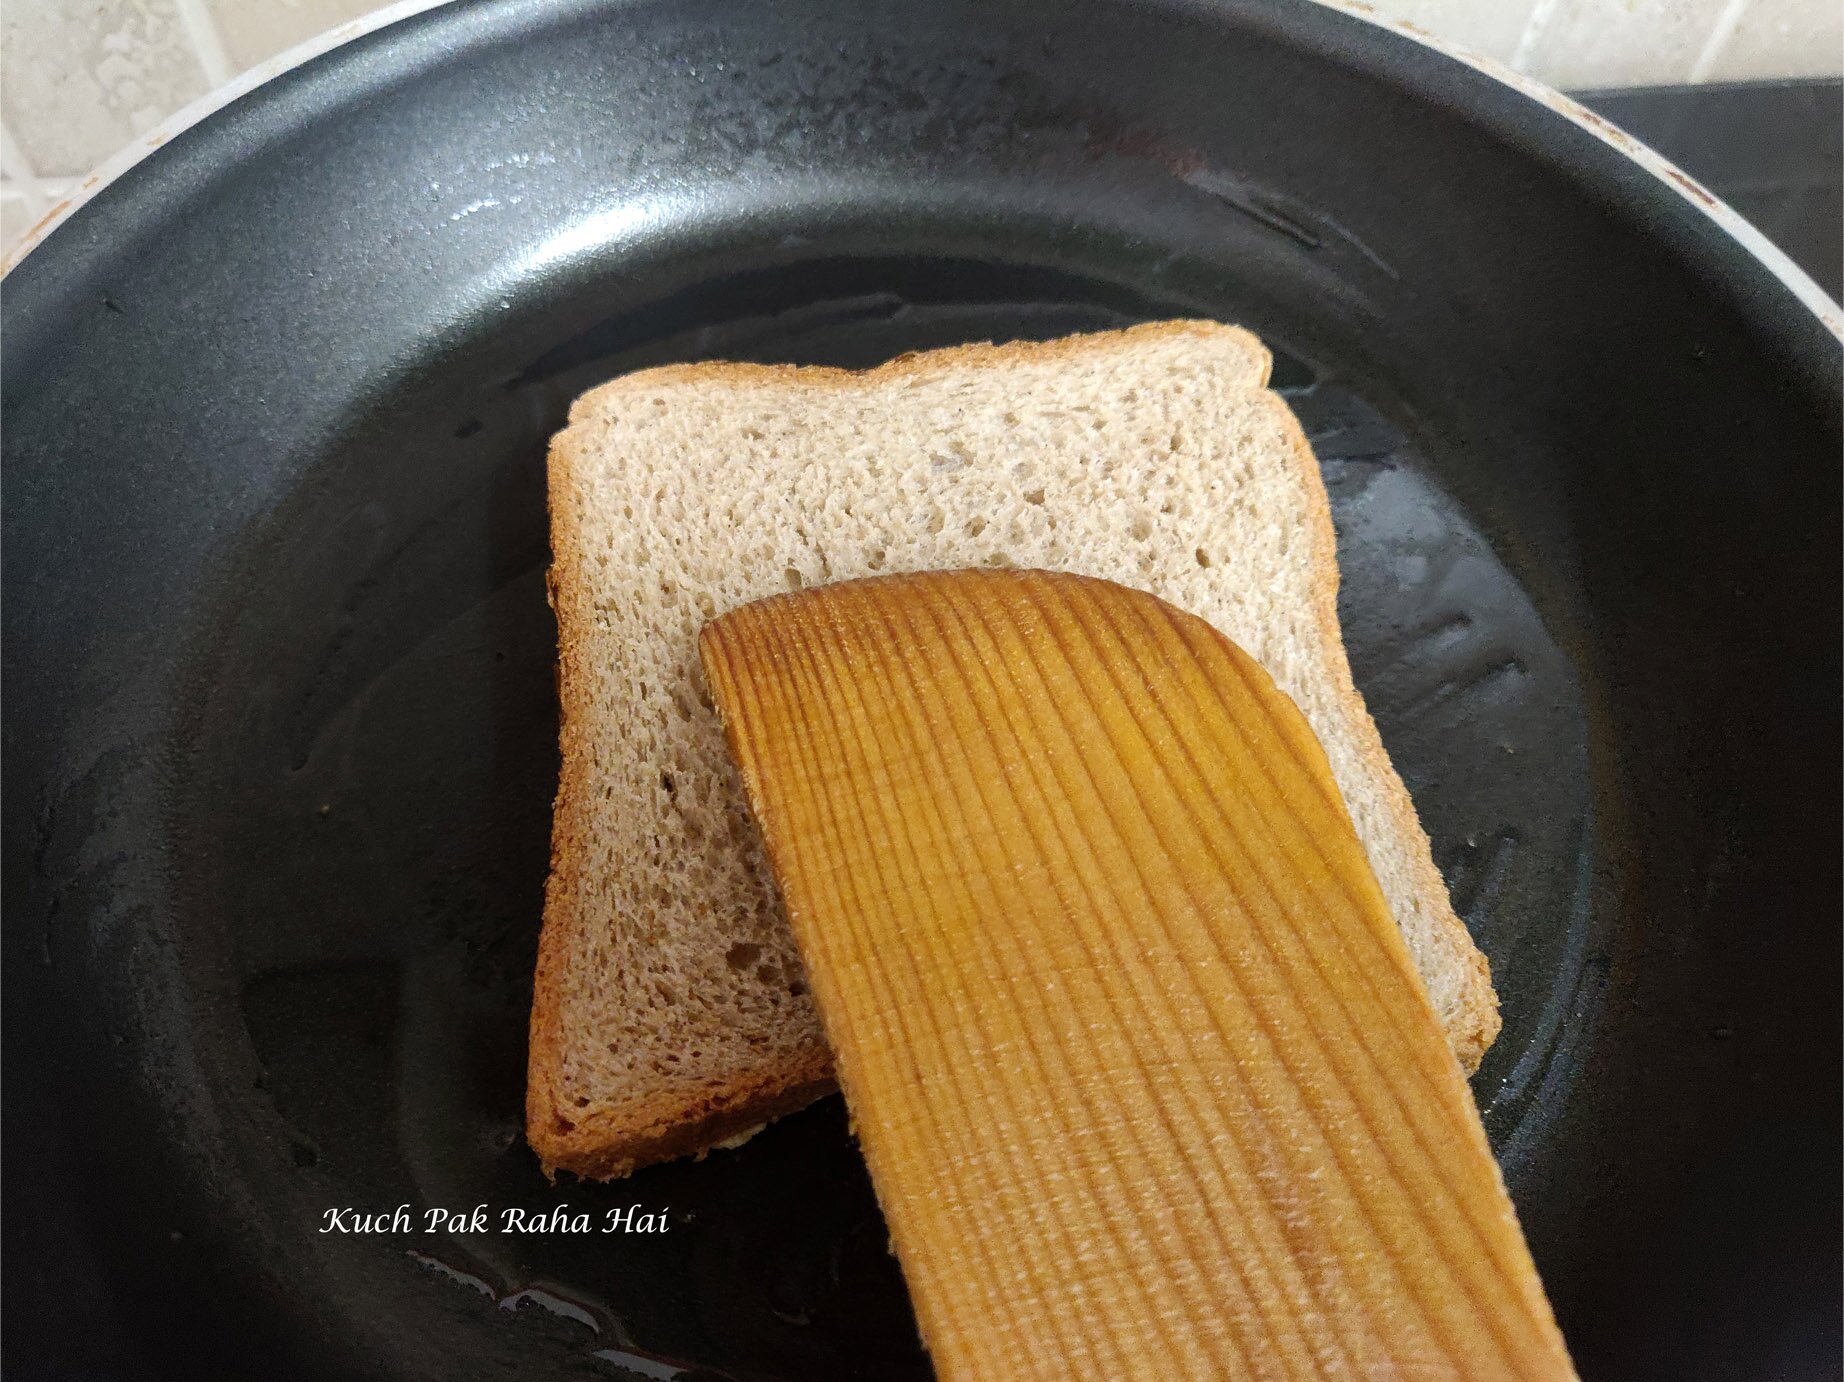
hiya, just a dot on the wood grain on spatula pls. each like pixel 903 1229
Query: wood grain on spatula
pixel 1143 1072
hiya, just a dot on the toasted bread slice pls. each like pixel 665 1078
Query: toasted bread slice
pixel 671 1012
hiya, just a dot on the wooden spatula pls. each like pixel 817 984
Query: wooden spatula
pixel 1146 1080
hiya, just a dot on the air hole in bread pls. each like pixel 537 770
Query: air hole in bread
pixel 742 954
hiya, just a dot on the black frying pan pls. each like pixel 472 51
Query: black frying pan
pixel 280 723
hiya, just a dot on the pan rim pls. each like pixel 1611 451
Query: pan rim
pixel 1661 169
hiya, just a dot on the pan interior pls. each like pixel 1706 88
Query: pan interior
pixel 376 755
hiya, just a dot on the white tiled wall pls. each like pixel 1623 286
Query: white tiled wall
pixel 81 78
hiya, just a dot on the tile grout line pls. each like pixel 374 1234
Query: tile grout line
pixel 1720 33
pixel 14 164
pixel 18 175
pixel 207 45
pixel 1541 14
pixel 35 187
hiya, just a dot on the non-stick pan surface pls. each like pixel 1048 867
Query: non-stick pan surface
pixel 280 721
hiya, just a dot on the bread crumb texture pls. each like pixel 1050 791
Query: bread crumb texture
pixel 669 986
